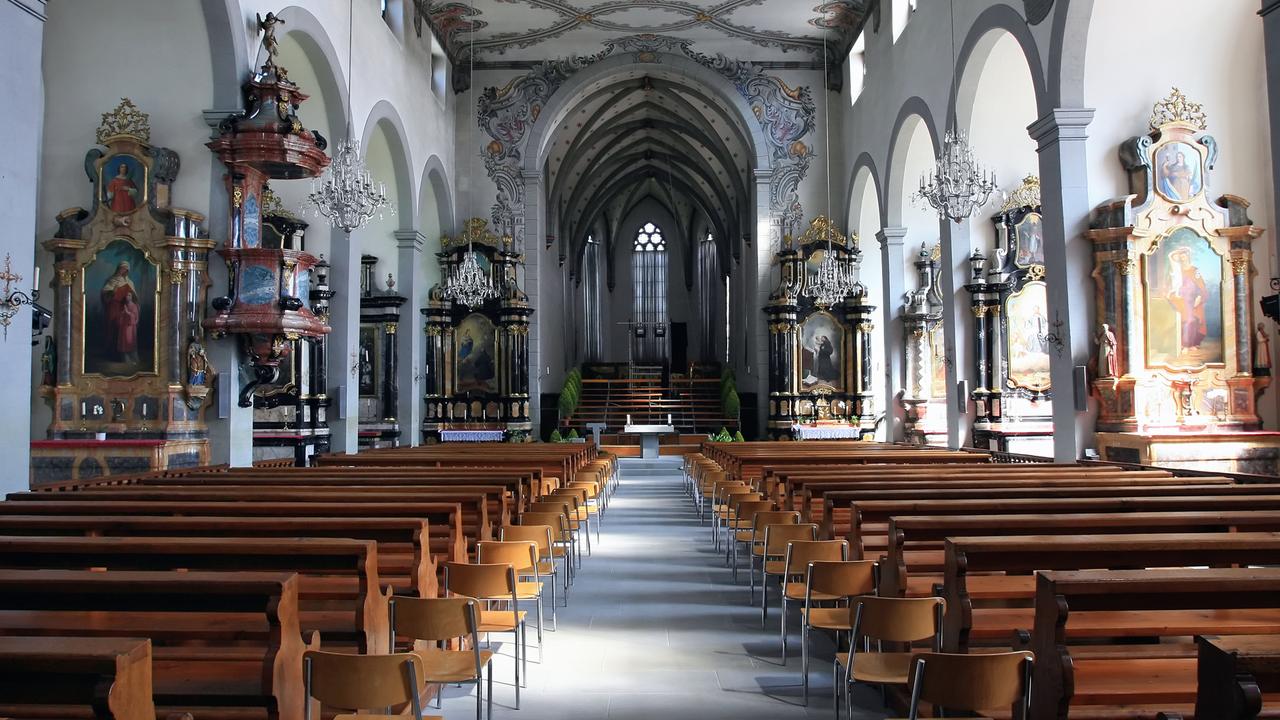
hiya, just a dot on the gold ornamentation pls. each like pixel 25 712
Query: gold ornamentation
pixel 584 18
pixel 66 276
pixel 476 232
pixel 703 17
pixel 1035 272
pixel 177 274
pixel 1124 267
pixel 433 331
pixel 980 310
pixel 126 121
pixel 392 328
pixel 1027 195
pixel 1178 109
pixel 237 197
pixel 1240 265
pixel 273 206
pixel 820 230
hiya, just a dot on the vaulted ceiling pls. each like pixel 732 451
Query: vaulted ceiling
pixel 533 30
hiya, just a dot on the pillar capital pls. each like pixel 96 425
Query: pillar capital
pixel 410 240
pixel 893 237
pixel 1060 124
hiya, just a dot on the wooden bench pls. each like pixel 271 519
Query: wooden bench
pixel 224 645
pixel 1138 682
pixel 1237 676
pixel 407 560
pixel 102 678
pixel 339 591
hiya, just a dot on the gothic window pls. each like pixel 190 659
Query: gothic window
pixel 649 270
pixel 649 239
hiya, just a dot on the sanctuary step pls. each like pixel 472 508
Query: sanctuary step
pixel 693 404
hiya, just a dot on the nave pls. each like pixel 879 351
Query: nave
pixel 656 626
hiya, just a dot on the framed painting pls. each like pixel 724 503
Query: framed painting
pixel 1179 176
pixel 122 183
pixel 476 356
pixel 369 360
pixel 1027 338
pixel 120 312
pixel 1029 241
pixel 1184 282
pixel 821 340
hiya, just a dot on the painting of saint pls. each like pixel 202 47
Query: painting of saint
pixel 368 353
pixel 476 361
pixel 821 338
pixel 120 312
pixel 1178 176
pixel 124 182
pixel 1028 338
pixel 1030 235
pixel 1184 302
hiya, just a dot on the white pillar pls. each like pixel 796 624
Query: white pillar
pixel 412 285
pixel 344 340
pixel 952 275
pixel 534 229
pixel 892 269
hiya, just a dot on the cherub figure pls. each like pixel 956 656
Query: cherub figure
pixel 268 26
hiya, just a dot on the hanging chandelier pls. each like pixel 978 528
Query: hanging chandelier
pixel 959 185
pixel 346 193
pixel 469 284
pixel 835 277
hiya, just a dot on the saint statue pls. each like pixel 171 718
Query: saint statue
pixel 1108 366
pixel 268 27
pixel 1261 351
pixel 122 192
pixel 1188 294
pixel 49 362
pixel 197 364
pixel 121 313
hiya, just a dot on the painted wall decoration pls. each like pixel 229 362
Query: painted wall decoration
pixel 476 360
pixel 123 185
pixel 821 338
pixel 1178 174
pixel 1027 342
pixel 120 312
pixel 1184 302
pixel 1030 241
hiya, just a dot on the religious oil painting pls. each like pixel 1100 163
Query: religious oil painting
pixel 1026 315
pixel 1030 241
pixel 120 312
pixel 477 360
pixel 122 183
pixel 368 361
pixel 821 338
pixel 1184 279
pixel 1178 175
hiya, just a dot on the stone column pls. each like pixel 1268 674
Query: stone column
pixel 344 341
pixel 534 228
pixel 1064 185
pixel 953 273
pixel 892 268
pixel 411 342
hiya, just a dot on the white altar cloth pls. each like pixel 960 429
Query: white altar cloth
pixel 472 435
pixel 826 432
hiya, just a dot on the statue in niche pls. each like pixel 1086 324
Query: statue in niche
pixel 1108 367
pixel 49 362
pixel 1261 351
pixel 197 364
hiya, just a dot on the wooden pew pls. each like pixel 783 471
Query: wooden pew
pixel 407 560
pixel 224 644
pixel 339 591
pixel 1236 676
pixel 63 677
pixel 1137 682
pixel 989 590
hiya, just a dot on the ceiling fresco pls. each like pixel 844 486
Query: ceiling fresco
pixel 517 31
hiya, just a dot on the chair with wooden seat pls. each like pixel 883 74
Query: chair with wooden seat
pixel 363 682
pixel 799 555
pixel 567 507
pixel 444 622
pixel 742 519
pixel 707 492
pixel 493 584
pixel 886 620
pixel 723 511
pixel 830 587
pixel 777 538
pixel 980 683
pixel 755 539
pixel 579 511
pixel 561 540
pixel 543 538
pixel 522 556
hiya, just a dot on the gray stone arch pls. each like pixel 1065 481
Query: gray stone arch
pixel 913 110
pixel 384 116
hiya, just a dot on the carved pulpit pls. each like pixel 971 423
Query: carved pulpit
pixel 377 355
pixel 924 398
pixel 1012 332
pixel 266 300
pixel 819 353
pixel 477 358
pixel 130 380
pixel 1174 363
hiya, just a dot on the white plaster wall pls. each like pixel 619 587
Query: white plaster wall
pixel 866 223
pixel 1224 72
pixel 378 237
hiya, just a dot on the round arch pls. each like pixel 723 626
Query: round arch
pixel 384 117
pixel 319 49
pixel 228 49
pixel 914 113
pixel 983 33
pixel 433 193
pixel 1071 20
pixel 863 170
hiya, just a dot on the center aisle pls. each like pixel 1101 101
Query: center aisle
pixel 655 627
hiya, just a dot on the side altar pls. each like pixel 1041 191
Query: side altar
pixel 1177 370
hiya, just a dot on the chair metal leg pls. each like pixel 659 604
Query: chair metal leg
pixel 764 599
pixel 782 623
pixel 804 659
pixel 524 656
pixel 480 697
pixel 540 629
pixel 515 634
pixel 751 571
pixel 489 694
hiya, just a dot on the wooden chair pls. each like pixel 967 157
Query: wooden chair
pixel 741 518
pixel 364 682
pixel 442 621
pixel 542 538
pixel 522 556
pixel 722 514
pixel 761 521
pixel 886 620
pixel 566 508
pixel 777 538
pixel 799 555
pixel 582 509
pixel 561 540
pixel 832 581
pixel 493 584
pixel 988 684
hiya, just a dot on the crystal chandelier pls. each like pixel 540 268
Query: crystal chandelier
pixel 346 193
pixel 959 186
pixel 469 284
pixel 835 278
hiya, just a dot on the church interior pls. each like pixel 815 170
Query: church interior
pixel 640 358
